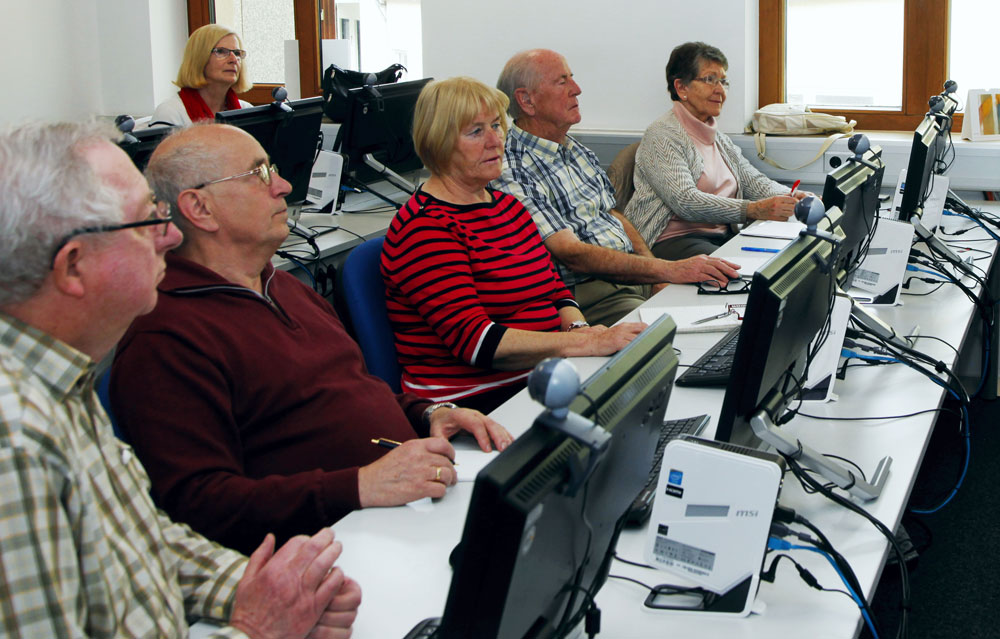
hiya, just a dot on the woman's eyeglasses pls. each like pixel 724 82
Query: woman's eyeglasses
pixel 222 53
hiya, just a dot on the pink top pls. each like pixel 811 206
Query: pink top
pixel 716 179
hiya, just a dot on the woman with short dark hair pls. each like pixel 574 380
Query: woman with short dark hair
pixel 691 181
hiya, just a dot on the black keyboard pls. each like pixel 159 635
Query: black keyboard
pixel 425 629
pixel 642 506
pixel 712 368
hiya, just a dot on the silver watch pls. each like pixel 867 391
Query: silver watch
pixel 577 324
pixel 433 407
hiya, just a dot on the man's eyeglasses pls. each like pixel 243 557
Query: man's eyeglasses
pixel 264 172
pixel 714 80
pixel 160 215
pixel 222 53
pixel 733 287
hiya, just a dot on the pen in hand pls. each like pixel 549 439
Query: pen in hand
pixel 386 443
pixel 392 443
pixel 795 186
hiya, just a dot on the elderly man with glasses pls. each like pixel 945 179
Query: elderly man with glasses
pixel 83 550
pixel 241 392
pixel 597 251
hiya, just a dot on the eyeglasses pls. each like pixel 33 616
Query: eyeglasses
pixel 264 172
pixel 223 53
pixel 714 80
pixel 161 215
pixel 733 287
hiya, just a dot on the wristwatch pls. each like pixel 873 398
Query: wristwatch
pixel 577 324
pixel 433 407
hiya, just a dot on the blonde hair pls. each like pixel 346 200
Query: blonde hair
pixel 197 52
pixel 443 109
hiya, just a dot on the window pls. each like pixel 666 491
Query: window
pixel 914 71
pixel 973 27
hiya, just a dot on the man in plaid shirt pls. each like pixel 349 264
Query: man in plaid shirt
pixel 83 550
pixel 598 252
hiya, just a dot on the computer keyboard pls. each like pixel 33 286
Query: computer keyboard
pixel 712 368
pixel 425 629
pixel 642 506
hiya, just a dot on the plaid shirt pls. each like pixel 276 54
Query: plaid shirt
pixel 83 550
pixel 563 187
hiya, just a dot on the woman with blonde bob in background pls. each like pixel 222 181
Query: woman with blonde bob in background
pixel 212 73
pixel 471 291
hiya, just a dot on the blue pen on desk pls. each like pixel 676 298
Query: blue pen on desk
pixel 759 249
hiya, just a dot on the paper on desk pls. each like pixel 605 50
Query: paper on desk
pixel 469 462
pixel 771 228
pixel 750 265
pixel 685 316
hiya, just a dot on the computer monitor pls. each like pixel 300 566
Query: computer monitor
pixel 789 304
pixel 291 138
pixel 380 122
pixel 920 169
pixel 144 143
pixel 530 551
pixel 854 189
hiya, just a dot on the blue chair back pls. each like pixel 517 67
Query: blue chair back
pixel 363 294
pixel 104 394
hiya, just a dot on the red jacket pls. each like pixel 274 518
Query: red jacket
pixel 251 414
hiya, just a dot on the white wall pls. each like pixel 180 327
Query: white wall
pixel 70 60
pixel 50 65
pixel 617 50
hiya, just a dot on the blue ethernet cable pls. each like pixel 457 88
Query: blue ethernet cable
pixel 775 543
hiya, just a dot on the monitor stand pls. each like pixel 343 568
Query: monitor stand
pixel 936 245
pixel 838 474
pixel 389 175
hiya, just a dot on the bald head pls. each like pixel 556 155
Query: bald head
pixel 542 93
pixel 191 156
pixel 229 201
pixel 522 72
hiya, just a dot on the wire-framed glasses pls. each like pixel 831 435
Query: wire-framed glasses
pixel 223 53
pixel 264 171
pixel 733 287
pixel 714 81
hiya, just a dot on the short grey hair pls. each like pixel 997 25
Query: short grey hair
pixel 520 72
pixel 182 166
pixel 48 190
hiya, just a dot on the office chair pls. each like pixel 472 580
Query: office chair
pixel 621 173
pixel 103 389
pixel 363 293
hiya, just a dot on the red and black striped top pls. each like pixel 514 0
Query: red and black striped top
pixel 457 276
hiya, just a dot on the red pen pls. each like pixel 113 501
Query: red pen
pixel 795 186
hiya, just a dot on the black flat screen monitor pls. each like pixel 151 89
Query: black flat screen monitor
pixel 382 126
pixel 854 189
pixel 529 550
pixel 291 139
pixel 146 141
pixel 789 304
pixel 920 169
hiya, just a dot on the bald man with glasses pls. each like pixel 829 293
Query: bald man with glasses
pixel 242 392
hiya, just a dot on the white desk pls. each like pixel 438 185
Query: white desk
pixel 356 224
pixel 400 555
